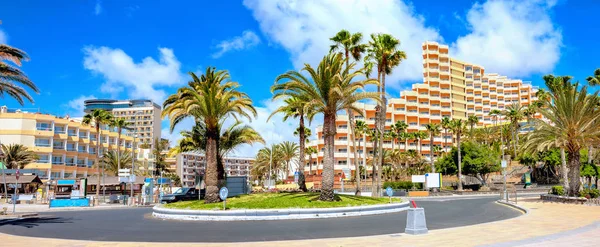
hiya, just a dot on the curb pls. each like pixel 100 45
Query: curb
pixel 275 214
pixel 515 206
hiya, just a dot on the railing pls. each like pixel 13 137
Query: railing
pixel 58 163
pixel 72 133
pixel 42 145
pixel 59 131
pixel 44 129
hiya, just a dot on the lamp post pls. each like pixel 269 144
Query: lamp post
pixel 3 173
pixel 133 153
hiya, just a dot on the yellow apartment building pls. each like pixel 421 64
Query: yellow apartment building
pixel 451 88
pixel 65 147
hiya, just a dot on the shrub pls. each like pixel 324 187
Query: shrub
pixel 557 190
pixel 402 185
pixel 589 193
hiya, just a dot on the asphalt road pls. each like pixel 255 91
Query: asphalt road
pixel 137 224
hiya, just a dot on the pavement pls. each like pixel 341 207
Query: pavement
pixel 31 208
pixel 546 224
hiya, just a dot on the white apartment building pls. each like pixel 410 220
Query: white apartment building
pixel 189 164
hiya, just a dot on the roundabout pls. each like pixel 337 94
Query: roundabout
pixel 138 224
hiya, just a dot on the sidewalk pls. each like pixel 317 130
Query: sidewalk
pixel 547 224
pixel 37 208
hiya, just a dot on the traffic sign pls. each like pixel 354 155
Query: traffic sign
pixel 389 191
pixel 223 192
pixel 503 163
pixel 17 174
pixel 347 174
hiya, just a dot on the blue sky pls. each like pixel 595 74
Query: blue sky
pixel 142 49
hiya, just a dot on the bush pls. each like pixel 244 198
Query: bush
pixel 589 193
pixel 557 190
pixel 402 185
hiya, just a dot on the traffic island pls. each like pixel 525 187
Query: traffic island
pixel 278 206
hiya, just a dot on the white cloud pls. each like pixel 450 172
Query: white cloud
pixel 247 40
pixel 515 38
pixel 3 37
pixel 98 7
pixel 175 136
pixel 140 80
pixel 75 106
pixel 303 28
pixel 274 131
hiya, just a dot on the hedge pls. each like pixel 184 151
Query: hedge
pixel 402 185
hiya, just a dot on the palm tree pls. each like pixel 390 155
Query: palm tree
pixel 433 129
pixel 289 152
pixel 11 75
pixel 594 80
pixel 111 161
pixel 446 123
pixel 514 113
pixel 400 128
pixel 360 127
pixel 307 133
pixel 330 89
pixel 211 99
pixel 98 117
pixel 269 159
pixel 310 151
pixel 383 51
pixel 472 121
pixel 120 124
pixel 458 126
pixel 298 108
pixel 391 135
pixel 350 45
pixel 374 138
pixel 573 122
pixel 160 145
pixel 16 156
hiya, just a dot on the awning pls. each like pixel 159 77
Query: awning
pixel 23 179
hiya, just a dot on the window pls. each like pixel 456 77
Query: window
pixel 90 163
pixel 55 175
pixel 343 126
pixel 342 150
pixel 83 134
pixel 399 109
pixel 72 132
pixel 59 129
pixel 93 137
pixel 413 124
pixel 81 149
pixel 43 126
pixel 58 145
pixel 343 138
pixel 70 161
pixel 57 160
pixel 81 163
pixel 42 142
pixel 43 158
pixel 92 150
pixel 71 147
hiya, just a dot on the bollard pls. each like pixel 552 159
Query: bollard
pixel 415 221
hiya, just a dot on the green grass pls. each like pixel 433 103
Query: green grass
pixel 282 200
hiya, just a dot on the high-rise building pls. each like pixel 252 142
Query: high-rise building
pixel 451 88
pixel 144 115
pixel 189 164
pixel 65 147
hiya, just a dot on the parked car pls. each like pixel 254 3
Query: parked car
pixel 183 194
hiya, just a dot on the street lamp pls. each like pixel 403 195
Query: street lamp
pixel 3 173
pixel 133 152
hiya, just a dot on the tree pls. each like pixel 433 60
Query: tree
pixel 477 160
pixel 289 152
pixel 110 160
pixel 160 163
pixel 594 80
pixel 310 151
pixel 307 133
pixel 383 51
pixel 400 128
pixel 16 156
pixel 472 121
pixel 350 45
pixel 446 123
pixel 458 127
pixel 120 124
pixel 420 135
pixel 434 130
pixel 360 127
pixel 211 98
pixel 330 89
pixel 298 108
pixel 98 117
pixel 572 123
pixel 11 76
pixel 514 113
pixel 269 159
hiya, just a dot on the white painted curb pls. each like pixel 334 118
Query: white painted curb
pixel 275 214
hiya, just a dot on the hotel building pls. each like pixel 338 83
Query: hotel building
pixel 66 148
pixel 451 88
pixel 144 115
pixel 191 163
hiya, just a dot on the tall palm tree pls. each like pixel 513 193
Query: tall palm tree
pixel 458 127
pixel 98 117
pixel 514 113
pixel 472 121
pixel 446 123
pixel 419 136
pixel 307 133
pixel 330 89
pixel 594 80
pixel 298 108
pixel 383 51
pixel 360 128
pixel 400 128
pixel 350 45
pixel 11 76
pixel 269 160
pixel 211 99
pixel 160 145
pixel 572 123
pixel 120 124
pixel 310 151
pixel 16 156
pixel 111 159
pixel 434 130
pixel 289 152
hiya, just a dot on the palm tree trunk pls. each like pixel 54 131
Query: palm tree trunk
pixel 564 170
pixel 328 166
pixel 211 173
pixel 357 169
pixel 590 154
pixel 460 187
pixel 574 177
pixel 431 154
pixel 301 178
pixel 420 146
pixel 98 162
pixel 515 143
pixel 445 140
pixel 119 152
